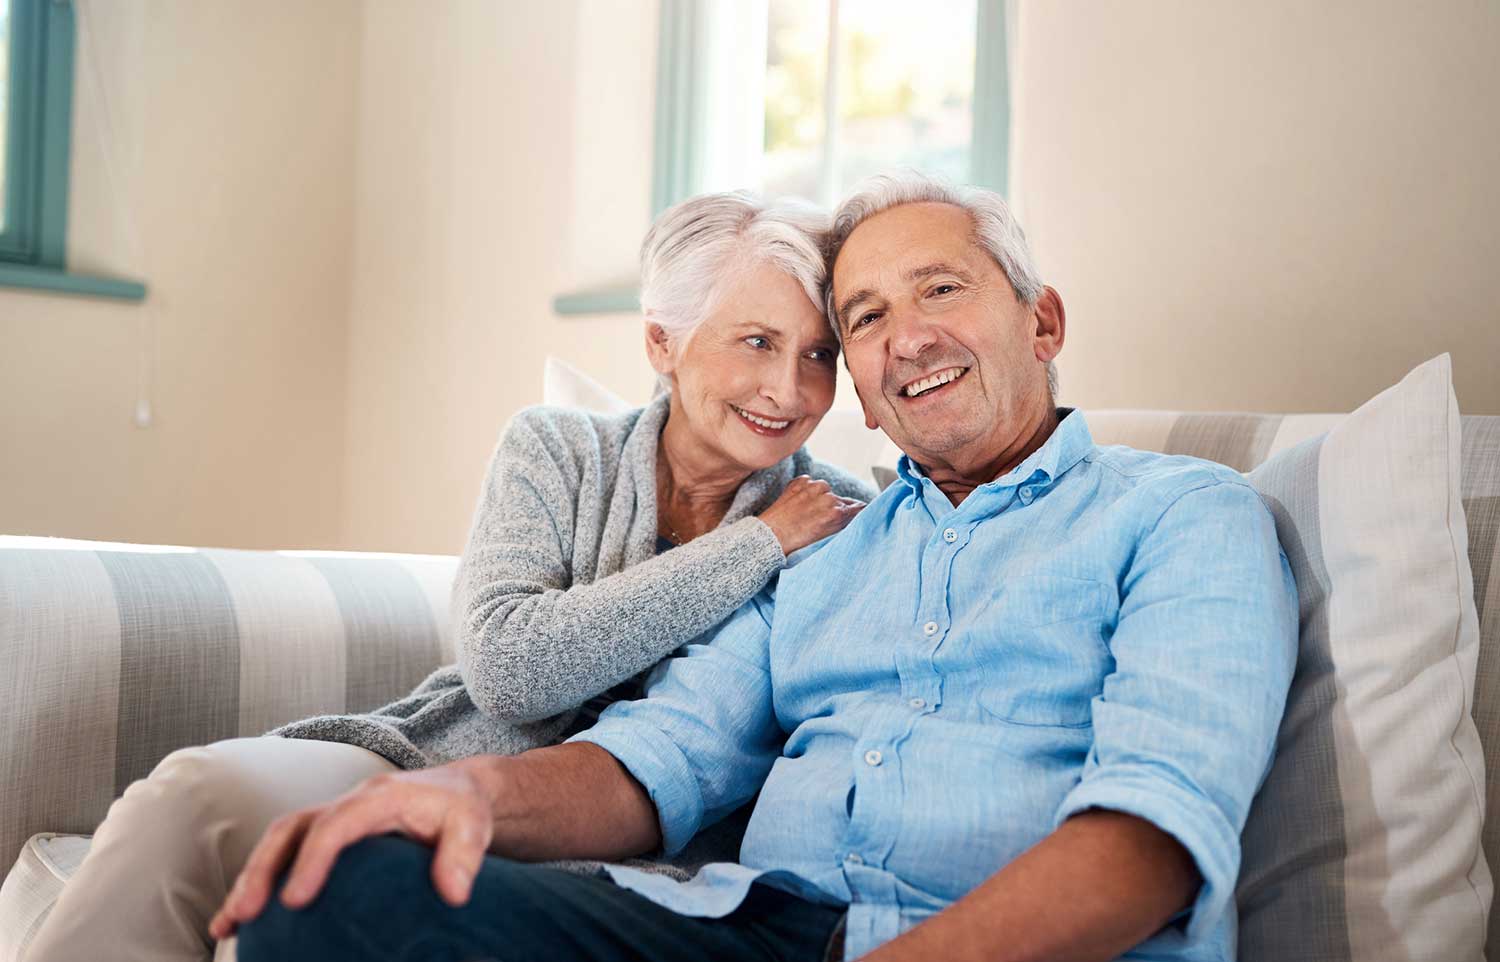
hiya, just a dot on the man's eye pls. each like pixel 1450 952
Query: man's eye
pixel 869 318
pixel 944 289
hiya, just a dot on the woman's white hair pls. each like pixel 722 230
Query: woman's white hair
pixel 995 230
pixel 697 248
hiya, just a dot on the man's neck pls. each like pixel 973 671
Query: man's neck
pixel 957 477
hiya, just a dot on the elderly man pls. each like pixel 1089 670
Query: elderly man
pixel 1017 710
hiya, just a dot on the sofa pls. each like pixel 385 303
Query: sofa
pixel 113 655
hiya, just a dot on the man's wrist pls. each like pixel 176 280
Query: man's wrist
pixel 494 774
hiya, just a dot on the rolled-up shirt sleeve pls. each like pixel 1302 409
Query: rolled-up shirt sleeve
pixel 1204 649
pixel 703 738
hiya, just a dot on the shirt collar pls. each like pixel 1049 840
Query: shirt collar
pixel 1066 447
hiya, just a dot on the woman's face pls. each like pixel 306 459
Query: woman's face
pixel 757 375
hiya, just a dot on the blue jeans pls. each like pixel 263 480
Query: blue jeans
pixel 379 905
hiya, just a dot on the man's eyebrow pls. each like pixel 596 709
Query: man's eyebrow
pixel 928 270
pixel 913 274
pixel 843 311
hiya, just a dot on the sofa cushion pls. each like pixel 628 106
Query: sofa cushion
pixel 34 883
pixel 1364 841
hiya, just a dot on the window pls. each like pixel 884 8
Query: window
pixel 807 97
pixel 792 97
pixel 36 108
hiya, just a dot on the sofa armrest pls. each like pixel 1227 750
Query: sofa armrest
pixel 114 655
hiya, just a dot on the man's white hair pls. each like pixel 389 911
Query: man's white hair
pixel 696 249
pixel 995 229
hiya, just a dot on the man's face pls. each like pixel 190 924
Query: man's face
pixel 944 356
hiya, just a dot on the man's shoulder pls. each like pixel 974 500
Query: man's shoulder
pixel 1168 476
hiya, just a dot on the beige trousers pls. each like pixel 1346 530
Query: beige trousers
pixel 170 847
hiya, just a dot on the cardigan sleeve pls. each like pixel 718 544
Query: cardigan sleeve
pixel 531 643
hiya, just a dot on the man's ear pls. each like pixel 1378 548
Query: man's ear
pixel 659 349
pixel 1051 325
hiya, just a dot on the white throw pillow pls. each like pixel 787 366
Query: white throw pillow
pixel 1364 843
pixel 566 386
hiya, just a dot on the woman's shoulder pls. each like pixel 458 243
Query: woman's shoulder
pixel 842 482
pixel 567 432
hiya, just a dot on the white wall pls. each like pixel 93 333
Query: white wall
pixel 233 142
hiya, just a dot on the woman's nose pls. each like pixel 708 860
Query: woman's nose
pixel 780 383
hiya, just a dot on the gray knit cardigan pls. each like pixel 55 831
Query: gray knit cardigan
pixel 561 594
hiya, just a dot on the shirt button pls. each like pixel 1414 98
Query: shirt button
pixel 853 859
pixel 918 703
pixel 873 758
pixel 930 628
pixel 949 535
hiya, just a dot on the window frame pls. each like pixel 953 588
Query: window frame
pixel 39 118
pixel 38 146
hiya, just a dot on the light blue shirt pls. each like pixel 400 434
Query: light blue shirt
pixel 935 689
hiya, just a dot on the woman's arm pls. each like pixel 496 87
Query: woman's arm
pixel 530 642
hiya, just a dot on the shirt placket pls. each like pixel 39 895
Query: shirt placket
pixel 877 821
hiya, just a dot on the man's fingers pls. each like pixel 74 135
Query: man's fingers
pixel 253 887
pixel 460 853
pixel 338 827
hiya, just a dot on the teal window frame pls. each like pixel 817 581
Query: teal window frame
pixel 681 111
pixel 38 144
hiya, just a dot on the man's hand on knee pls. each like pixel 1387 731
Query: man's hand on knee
pixel 448 807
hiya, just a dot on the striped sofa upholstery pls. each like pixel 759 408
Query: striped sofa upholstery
pixel 114 655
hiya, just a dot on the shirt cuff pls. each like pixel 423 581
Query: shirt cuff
pixel 1186 816
pixel 659 765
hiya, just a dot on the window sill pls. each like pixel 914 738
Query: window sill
pixel 611 300
pixel 61 282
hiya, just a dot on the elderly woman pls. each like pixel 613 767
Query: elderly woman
pixel 600 544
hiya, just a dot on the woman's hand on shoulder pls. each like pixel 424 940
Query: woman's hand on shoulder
pixel 808 511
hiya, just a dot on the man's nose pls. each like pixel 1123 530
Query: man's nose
pixel 910 334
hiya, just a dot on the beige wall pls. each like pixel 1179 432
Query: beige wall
pixel 233 137
pixel 480 197
pixel 355 216
pixel 1264 206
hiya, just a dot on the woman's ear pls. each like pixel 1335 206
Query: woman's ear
pixel 659 349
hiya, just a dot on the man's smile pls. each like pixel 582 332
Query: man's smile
pixel 933 383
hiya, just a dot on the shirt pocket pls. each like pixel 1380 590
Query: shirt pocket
pixel 1047 654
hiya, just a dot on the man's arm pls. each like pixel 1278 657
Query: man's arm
pixel 567 801
pixel 1183 735
pixel 1099 885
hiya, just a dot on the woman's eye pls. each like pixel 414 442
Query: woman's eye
pixel 944 289
pixel 820 354
pixel 756 341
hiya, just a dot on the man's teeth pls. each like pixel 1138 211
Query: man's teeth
pixel 773 425
pixel 935 380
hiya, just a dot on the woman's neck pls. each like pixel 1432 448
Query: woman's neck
pixel 693 489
